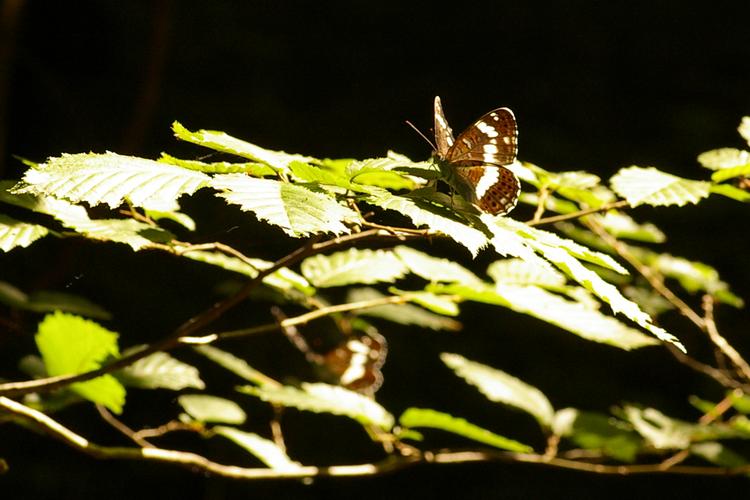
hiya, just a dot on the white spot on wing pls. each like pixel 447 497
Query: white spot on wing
pixel 489 178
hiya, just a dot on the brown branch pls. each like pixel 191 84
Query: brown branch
pixel 193 324
pixel 197 462
pixel 122 428
pixel 578 214
pixel 720 342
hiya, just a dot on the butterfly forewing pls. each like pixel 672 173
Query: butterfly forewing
pixel 477 158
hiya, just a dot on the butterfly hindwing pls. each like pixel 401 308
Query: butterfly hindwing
pixel 475 159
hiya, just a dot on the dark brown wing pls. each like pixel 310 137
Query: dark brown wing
pixel 493 140
pixel 443 132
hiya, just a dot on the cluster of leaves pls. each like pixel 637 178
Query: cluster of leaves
pixel 568 278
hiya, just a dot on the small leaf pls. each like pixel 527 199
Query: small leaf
pixel 14 233
pixel 324 398
pixel 695 277
pixel 70 345
pixel 650 186
pixel 283 279
pixel 225 143
pixel 111 179
pixel 724 158
pixel 180 218
pixel 434 269
pixel 718 454
pixel 235 365
pixel 594 431
pixel 404 314
pixel 435 218
pixel 420 417
pixel 160 371
pixel 297 210
pixel 500 387
pixel 744 128
pixel 621 225
pixel 221 167
pixel 521 272
pixel 267 451
pixel 353 266
pixel 205 408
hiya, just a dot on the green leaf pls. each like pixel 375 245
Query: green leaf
pixel 594 431
pixel 220 141
pixel 324 398
pixel 659 430
pixel 205 408
pixel 221 167
pixel 723 159
pixel 297 210
pixel 304 172
pixel 404 314
pixel 650 186
pixel 621 225
pixel 14 233
pixel 381 172
pixel 434 269
pixel 575 317
pixel 434 217
pixel 500 387
pixel 718 454
pixel 111 179
pixel 70 345
pixel 353 266
pixel 430 301
pixel 160 371
pixel 744 128
pixel 282 279
pixel 420 417
pixel 180 218
pixel 267 451
pixel 234 364
pixel 696 277
pixel 521 272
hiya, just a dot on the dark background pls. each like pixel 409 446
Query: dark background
pixel 595 86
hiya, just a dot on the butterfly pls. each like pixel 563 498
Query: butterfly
pixel 474 163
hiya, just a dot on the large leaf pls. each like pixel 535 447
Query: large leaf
pixel 14 233
pixel 111 179
pixel 420 417
pixel 48 301
pixel 205 408
pixel 160 371
pixel 404 314
pixel 70 345
pixel 521 272
pixel 324 398
pixel 433 217
pixel 283 279
pixel 650 186
pixel 220 141
pixel 500 387
pixel 297 210
pixel 267 451
pixel 575 317
pixel 433 268
pixel 353 266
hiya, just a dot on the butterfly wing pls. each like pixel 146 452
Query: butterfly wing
pixel 494 189
pixel 491 140
pixel 443 132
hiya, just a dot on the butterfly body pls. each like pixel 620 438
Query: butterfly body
pixel 474 163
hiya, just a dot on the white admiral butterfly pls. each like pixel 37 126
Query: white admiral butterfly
pixel 474 163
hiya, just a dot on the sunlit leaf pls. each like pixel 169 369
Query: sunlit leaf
pixel 220 141
pixel 353 266
pixel 234 364
pixel 404 314
pixel 621 225
pixel 220 167
pixel 160 371
pixel 14 233
pixel 420 417
pixel 500 387
pixel 297 210
pixel 724 158
pixel 324 398
pixel 111 179
pixel 650 186
pixel 70 345
pixel 205 408
pixel 433 268
pixel 267 451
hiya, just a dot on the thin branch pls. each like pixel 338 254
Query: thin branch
pixel 716 374
pixel 541 202
pixel 193 324
pixel 122 428
pixel 578 214
pixel 655 281
pixel 197 462
pixel 719 341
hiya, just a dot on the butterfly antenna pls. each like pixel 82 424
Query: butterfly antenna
pixel 422 135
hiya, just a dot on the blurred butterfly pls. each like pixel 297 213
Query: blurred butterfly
pixel 474 163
